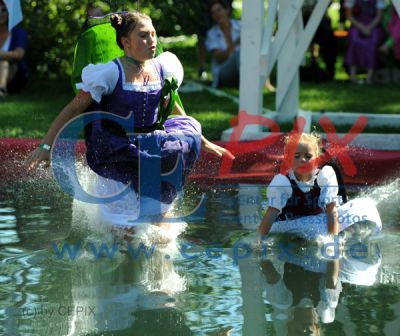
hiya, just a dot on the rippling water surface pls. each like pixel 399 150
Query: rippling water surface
pixel 206 288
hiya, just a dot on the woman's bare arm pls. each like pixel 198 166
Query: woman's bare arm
pixel 357 24
pixel 77 106
pixel 13 55
pixel 376 20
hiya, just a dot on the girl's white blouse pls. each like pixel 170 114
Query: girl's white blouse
pixel 100 79
pixel 280 190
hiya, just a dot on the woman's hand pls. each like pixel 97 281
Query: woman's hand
pixel 366 30
pixel 384 48
pixel 210 147
pixel 36 157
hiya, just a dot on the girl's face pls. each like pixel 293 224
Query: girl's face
pixel 141 43
pixel 219 13
pixel 305 152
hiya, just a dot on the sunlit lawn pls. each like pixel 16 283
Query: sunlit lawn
pixel 30 113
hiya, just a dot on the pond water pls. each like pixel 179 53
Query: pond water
pixel 209 287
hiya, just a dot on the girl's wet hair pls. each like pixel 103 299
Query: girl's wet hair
pixel 313 139
pixel 125 23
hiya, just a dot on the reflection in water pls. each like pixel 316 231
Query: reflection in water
pixel 303 289
pixel 169 294
pixel 42 294
pixel 129 292
pixel 122 289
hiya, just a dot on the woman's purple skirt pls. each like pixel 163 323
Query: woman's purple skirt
pixel 117 156
pixel 362 51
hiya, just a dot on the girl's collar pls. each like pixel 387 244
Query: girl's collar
pixel 309 182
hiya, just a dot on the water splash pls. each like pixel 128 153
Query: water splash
pixel 106 222
pixel 122 285
pixel 387 199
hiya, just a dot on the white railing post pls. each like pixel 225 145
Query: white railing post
pixel 396 4
pixel 287 104
pixel 251 87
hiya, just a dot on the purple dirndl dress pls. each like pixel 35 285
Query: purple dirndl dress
pixel 112 154
pixel 362 51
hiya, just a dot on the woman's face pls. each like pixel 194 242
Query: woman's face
pixel 219 13
pixel 3 13
pixel 141 43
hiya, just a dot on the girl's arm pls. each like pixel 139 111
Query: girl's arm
pixel 271 274
pixel 331 212
pixel 205 143
pixel 269 218
pixel 332 274
pixel 77 106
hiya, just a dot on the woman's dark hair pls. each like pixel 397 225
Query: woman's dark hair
pixel 223 3
pixel 125 23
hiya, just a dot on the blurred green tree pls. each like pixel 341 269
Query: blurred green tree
pixel 54 26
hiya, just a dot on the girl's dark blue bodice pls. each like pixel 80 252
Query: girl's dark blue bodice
pixel 139 99
pixel 301 203
pixel 113 153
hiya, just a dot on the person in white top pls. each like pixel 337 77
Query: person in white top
pixel 223 41
pixel 305 190
pixel 131 87
pixel 137 38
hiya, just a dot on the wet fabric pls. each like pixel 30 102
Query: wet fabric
pixel 113 154
pixel 360 210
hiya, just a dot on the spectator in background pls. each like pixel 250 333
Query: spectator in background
pixel 324 38
pixel 365 35
pixel 223 41
pixel 92 10
pixel 390 48
pixel 204 25
pixel 13 44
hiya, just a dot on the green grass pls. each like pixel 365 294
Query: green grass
pixel 30 113
pixel 213 113
pixel 343 96
pixel 187 54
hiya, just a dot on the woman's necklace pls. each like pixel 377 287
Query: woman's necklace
pixel 140 68
pixel 139 65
